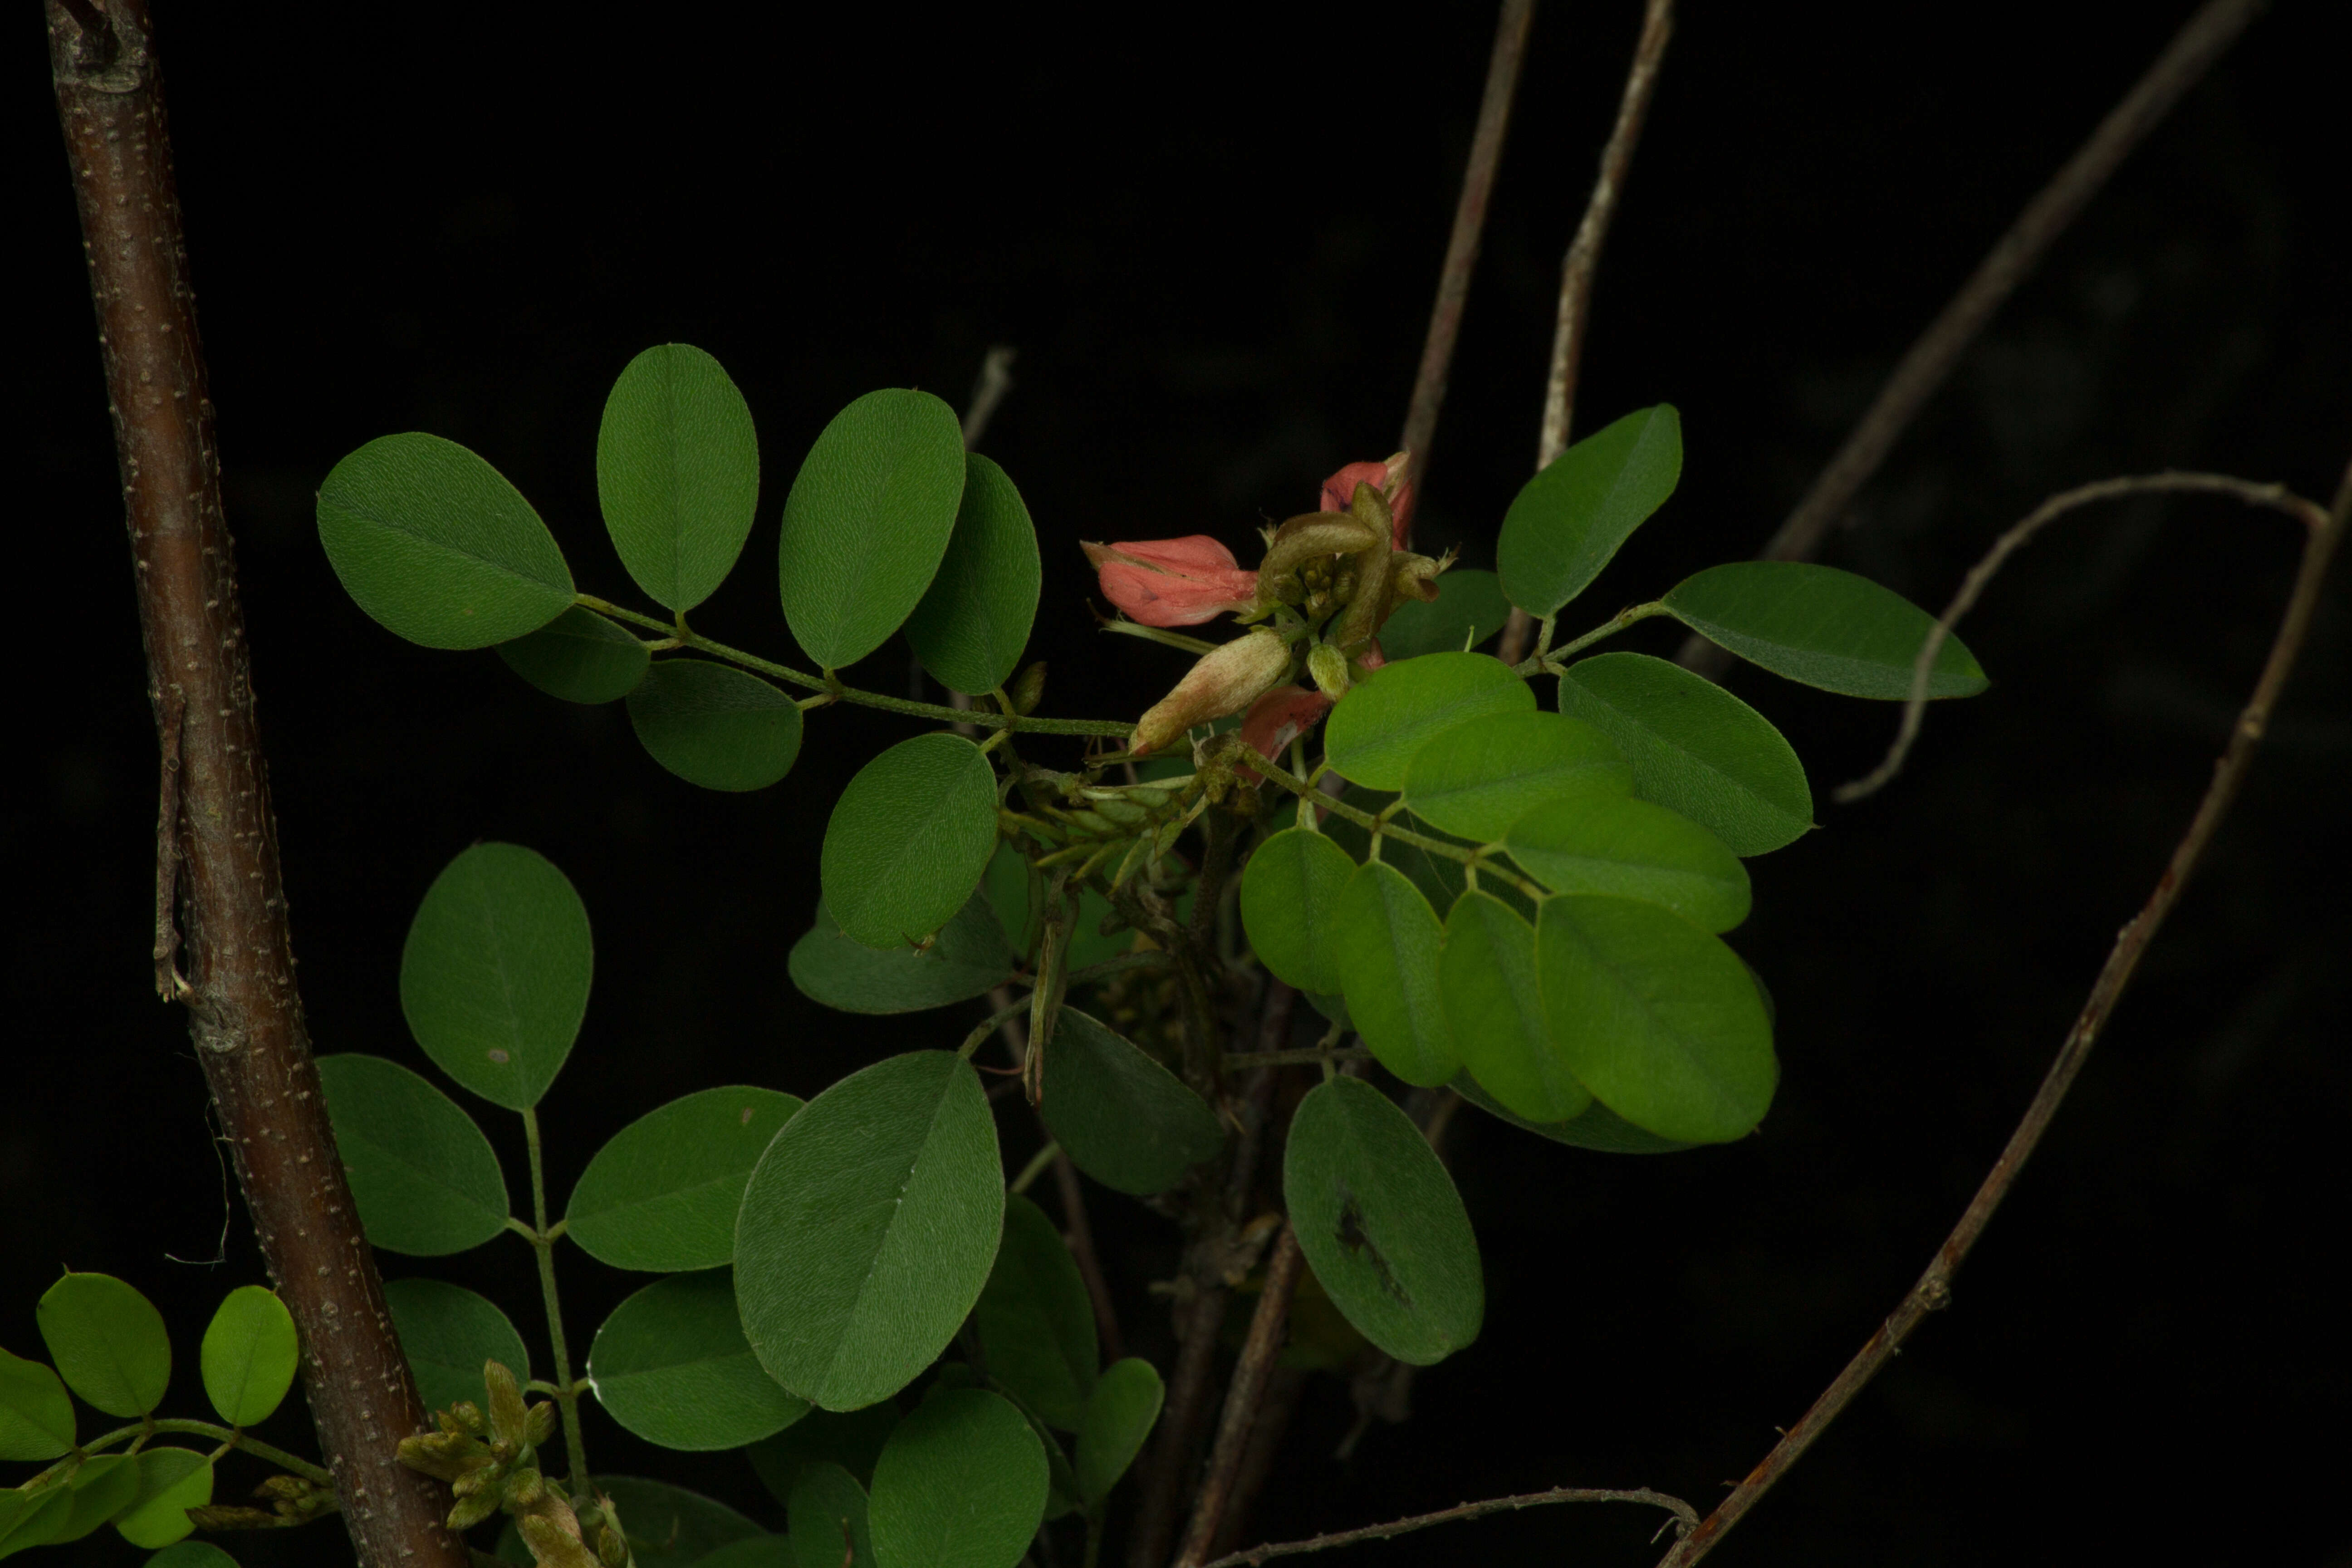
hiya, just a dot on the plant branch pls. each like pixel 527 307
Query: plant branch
pixel 2277 497
pixel 1929 362
pixel 1684 1517
pixel 1469 223
pixel 265 1452
pixel 1934 1290
pixel 567 1392
pixel 1266 1332
pixel 1575 314
pixel 834 689
pixel 996 381
pixel 217 863
pixel 1380 827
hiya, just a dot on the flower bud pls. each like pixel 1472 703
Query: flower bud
pixel 1028 689
pixel 1388 478
pixel 473 1508
pixel 611 1547
pixel 1413 577
pixel 468 1415
pixel 1329 665
pixel 538 1423
pixel 1315 536
pixel 524 1488
pixel 1224 681
pixel 508 1422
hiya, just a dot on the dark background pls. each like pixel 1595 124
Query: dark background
pixel 1213 244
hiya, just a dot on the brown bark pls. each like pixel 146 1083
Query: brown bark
pixel 222 949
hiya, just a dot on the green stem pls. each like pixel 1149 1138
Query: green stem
pixel 701 644
pixel 1305 1057
pixel 1034 1169
pixel 225 1436
pixel 543 1242
pixel 1549 663
pixel 1380 827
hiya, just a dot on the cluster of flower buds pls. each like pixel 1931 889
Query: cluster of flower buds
pixel 1327 584
pixel 491 1463
pixel 1090 825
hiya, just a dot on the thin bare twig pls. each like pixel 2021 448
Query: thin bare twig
pixel 2278 497
pixel 996 381
pixel 1685 1519
pixel 1934 1290
pixel 1925 367
pixel 1584 258
pixel 1469 223
pixel 1266 1329
pixel 223 950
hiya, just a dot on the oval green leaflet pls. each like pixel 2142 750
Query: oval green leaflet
pixel 678 473
pixel 868 1229
pixel 1388 939
pixel 249 1355
pixel 1035 1321
pixel 969 960
pixel 868 519
pixel 829 1516
pixel 434 545
pixel 1694 747
pixel 662 1194
pixel 448 1333
pixel 108 1342
pixel 1121 1117
pixel 170 1482
pixel 1494 1010
pixel 1570 520
pixel 1469 609
pixel 1660 1020
pixel 579 656
pixel 1484 776
pixel 1290 901
pixel 960 1484
pixel 493 975
pixel 671 1364
pixel 423 1177
pixel 1381 1223
pixel 36 1418
pixel 714 725
pixel 1120 1415
pixel 1598 1128
pixel 974 620
pixel 1822 627
pixel 1635 850
pixel 908 839
pixel 103 1487
pixel 1379 727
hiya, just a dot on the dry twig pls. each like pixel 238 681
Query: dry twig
pixel 2201 40
pixel 1686 1517
pixel 1934 1290
pixel 1265 1337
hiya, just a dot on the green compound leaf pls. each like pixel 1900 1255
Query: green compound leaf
pixel 170 1482
pixel 969 958
pixel 867 522
pixel 678 473
pixel 852 1440
pixel 671 1365
pixel 1121 1117
pixel 1822 627
pixel 1657 1018
pixel 714 725
pixel 248 1355
pixel 960 1484
pixel 1381 1223
pixel 1486 774
pixel 1599 1127
pixel 435 545
pixel 1120 1415
pixel 32 1519
pixel 579 656
pixel 972 626
pixel 663 1194
pixel 1694 747
pixel 494 976
pixel 1378 727
pixel 828 1514
pixel 423 1176
pixel 1494 1010
pixel 908 839
pixel 37 1419
pixel 756 1551
pixel 1035 1322
pixel 192 1555
pixel 448 1333
pixel 1469 609
pixel 1635 850
pixel 869 1227
pixel 1573 516
pixel 102 1488
pixel 107 1341
pixel 1388 938
pixel 1290 901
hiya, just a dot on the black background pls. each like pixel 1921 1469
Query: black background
pixel 1213 241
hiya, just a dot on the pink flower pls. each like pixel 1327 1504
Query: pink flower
pixel 1286 712
pixel 1339 491
pixel 1172 582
